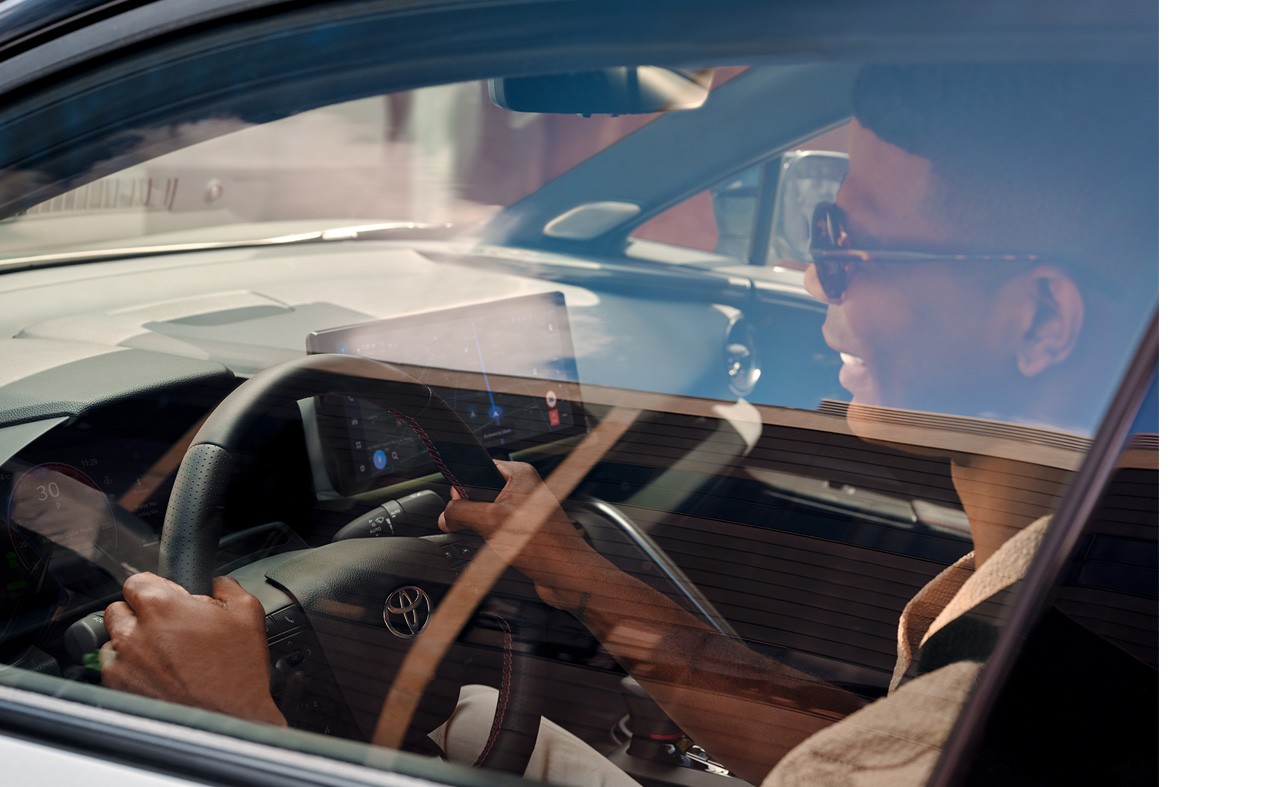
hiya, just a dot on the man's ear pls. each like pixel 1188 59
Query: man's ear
pixel 1054 316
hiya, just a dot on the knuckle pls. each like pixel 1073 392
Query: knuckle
pixel 232 594
pixel 250 606
pixel 113 675
pixel 147 597
pixel 144 591
pixel 133 583
pixel 227 587
pixel 116 618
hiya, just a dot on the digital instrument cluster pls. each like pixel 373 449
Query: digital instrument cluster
pixel 87 497
pixel 506 367
pixel 82 506
pixel 77 520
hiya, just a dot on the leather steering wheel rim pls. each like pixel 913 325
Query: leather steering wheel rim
pixel 194 520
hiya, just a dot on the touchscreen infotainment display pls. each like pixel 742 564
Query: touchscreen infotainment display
pixel 506 367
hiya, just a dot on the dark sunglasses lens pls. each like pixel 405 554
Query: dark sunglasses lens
pixel 832 275
pixel 822 233
pixel 826 236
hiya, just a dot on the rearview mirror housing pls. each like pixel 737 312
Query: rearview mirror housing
pixel 624 90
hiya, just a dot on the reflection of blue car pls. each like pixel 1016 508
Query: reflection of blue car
pixel 281 280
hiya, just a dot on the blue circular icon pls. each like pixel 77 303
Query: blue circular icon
pixel 379 459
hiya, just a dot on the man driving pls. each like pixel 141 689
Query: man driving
pixel 980 260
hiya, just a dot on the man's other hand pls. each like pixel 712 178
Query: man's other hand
pixel 550 551
pixel 207 652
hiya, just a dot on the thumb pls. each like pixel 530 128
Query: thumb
pixel 465 515
pixel 229 593
pixel 146 587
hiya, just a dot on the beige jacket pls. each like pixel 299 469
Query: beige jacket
pixel 896 740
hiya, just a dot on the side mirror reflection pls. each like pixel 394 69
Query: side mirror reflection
pixel 807 178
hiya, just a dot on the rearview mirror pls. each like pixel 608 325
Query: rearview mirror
pixel 625 90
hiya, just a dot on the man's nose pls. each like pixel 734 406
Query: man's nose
pixel 814 287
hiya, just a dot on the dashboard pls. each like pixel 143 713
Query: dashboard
pixel 111 369
pixel 85 499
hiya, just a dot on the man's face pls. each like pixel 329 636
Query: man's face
pixel 917 335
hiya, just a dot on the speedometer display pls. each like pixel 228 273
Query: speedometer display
pixel 64 505
pixel 55 503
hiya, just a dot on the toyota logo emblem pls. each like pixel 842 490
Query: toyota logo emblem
pixel 406 611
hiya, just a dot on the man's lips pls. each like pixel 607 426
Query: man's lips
pixel 853 374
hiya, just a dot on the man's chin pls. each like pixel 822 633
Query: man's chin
pixel 856 378
pixel 870 425
pixel 873 421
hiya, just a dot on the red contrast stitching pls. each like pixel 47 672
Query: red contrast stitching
pixel 435 453
pixel 504 693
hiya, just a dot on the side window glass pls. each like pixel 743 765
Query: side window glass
pixel 1093 657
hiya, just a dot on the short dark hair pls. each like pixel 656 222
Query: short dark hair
pixel 1059 159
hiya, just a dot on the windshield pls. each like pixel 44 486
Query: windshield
pixel 445 157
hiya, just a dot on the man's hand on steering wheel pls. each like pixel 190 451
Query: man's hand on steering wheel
pixel 553 555
pixel 208 652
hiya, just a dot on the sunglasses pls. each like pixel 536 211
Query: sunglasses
pixel 834 255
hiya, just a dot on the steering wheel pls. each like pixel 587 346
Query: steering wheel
pixel 341 617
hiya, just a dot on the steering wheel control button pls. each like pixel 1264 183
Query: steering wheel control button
pixel 283 622
pixel 459 552
pixel 302 685
pixel 406 611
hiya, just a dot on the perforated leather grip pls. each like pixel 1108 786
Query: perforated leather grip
pixel 194 519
